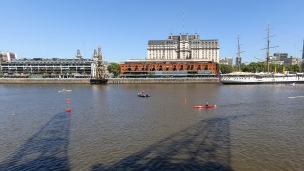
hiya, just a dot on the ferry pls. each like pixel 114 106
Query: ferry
pixel 261 78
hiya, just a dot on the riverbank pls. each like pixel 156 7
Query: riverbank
pixel 111 80
pixel 44 81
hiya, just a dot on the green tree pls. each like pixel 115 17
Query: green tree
pixel 278 68
pixel 246 68
pixel 226 68
pixel 113 68
pixel 293 68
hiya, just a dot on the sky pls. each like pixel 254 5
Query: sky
pixel 57 28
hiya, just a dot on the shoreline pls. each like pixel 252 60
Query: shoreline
pixel 110 80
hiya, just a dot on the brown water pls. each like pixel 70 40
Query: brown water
pixel 255 127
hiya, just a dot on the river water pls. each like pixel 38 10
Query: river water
pixel 254 127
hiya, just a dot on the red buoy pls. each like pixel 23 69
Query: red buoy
pixel 68 100
pixel 68 110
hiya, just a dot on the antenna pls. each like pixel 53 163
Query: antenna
pixel 85 55
pixel 239 52
pixel 268 47
pixel 183 21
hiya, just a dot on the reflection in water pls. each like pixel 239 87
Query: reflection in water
pixel 113 129
pixel 203 146
pixel 45 150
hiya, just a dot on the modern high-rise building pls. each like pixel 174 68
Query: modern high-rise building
pixel 226 61
pixel 280 56
pixel 238 60
pixel 184 46
pixel 230 60
pixel 303 51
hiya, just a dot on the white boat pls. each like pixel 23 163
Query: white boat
pixel 64 90
pixel 261 78
pixel 291 84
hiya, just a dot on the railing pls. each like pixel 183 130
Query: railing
pixel 163 78
pixel 45 78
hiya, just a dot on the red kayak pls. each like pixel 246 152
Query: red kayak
pixel 205 106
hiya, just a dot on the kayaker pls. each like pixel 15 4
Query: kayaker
pixel 206 103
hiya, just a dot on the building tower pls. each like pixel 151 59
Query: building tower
pixel 78 55
pixel 95 54
pixel 303 50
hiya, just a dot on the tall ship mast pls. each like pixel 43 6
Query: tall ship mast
pixel 238 59
pixel 268 47
pixel 99 73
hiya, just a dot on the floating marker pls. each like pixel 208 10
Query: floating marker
pixel 68 100
pixel 185 100
pixel 68 110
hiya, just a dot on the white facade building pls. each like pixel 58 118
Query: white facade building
pixel 8 56
pixel 184 47
pixel 226 61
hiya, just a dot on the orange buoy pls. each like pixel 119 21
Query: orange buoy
pixel 68 100
pixel 185 100
pixel 68 110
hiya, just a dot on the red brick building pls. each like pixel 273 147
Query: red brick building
pixel 168 68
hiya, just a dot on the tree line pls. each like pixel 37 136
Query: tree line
pixel 225 69
pixel 259 67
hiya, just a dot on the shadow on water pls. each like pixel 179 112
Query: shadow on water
pixel 45 150
pixel 204 146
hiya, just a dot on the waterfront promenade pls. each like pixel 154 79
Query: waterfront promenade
pixel 111 80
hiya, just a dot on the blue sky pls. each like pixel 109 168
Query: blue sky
pixel 57 28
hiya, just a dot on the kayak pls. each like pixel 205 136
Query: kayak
pixel 205 106
pixel 143 95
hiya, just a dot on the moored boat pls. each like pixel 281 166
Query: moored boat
pixel 260 78
pixel 99 69
pixel 98 81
